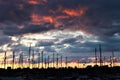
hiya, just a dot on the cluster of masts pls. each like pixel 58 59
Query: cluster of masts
pixel 56 59
pixel 41 62
pixel 102 59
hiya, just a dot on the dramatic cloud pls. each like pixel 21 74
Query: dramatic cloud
pixel 73 27
pixel 4 39
pixel 86 15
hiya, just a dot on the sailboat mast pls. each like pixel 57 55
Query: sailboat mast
pixel 13 59
pixel 42 58
pixel 29 54
pixel 61 61
pixel 48 61
pixel 113 58
pixel 5 60
pixel 66 62
pixel 95 56
pixel 100 55
pixel 57 61
pixel 53 59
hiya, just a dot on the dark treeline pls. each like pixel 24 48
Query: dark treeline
pixel 60 72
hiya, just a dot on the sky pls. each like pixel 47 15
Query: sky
pixel 72 28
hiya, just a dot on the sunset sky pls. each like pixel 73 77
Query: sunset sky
pixel 72 28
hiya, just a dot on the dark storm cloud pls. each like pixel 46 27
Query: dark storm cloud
pixel 10 11
pixel 13 29
pixel 4 40
pixel 44 43
pixel 98 14
pixel 70 41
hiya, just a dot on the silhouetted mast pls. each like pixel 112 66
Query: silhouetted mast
pixel 57 61
pixel 100 55
pixel 33 59
pixel 78 63
pixel 61 61
pixel 95 56
pixel 48 61
pixel 42 58
pixel 13 59
pixel 5 60
pixel 113 58
pixel 38 60
pixel 110 61
pixel 21 60
pixel 66 62
pixel 45 62
pixel 53 59
pixel 104 60
pixel 29 55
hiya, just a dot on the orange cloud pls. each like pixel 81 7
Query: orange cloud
pixel 35 2
pixel 48 19
pixel 37 19
pixel 72 12
pixel 62 17
pixel 57 19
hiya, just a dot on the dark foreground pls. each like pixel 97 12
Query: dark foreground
pixel 89 73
